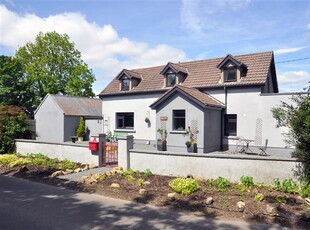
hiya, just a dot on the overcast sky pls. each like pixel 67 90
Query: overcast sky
pixel 113 35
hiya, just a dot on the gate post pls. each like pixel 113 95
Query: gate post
pixel 101 149
pixel 124 145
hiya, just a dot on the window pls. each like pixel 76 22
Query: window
pixel 124 120
pixel 230 74
pixel 125 85
pixel 178 120
pixel 171 79
pixel 230 124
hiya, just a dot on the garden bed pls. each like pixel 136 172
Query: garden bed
pixel 155 190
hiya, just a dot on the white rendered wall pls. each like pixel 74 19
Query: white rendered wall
pixel 61 151
pixel 139 105
pixel 49 122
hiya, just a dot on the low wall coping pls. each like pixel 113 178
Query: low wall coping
pixel 53 143
pixel 214 155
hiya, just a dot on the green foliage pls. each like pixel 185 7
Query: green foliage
pixel 163 134
pixel 102 178
pixel 259 197
pixel 51 64
pixel 20 162
pixel 148 173
pixel 288 185
pixel 67 164
pixel 184 186
pixel 297 118
pixel 13 125
pixel 221 183
pixel 130 178
pixel 280 199
pixel 80 131
pixel 247 181
pixel 305 190
pixel 140 182
pixel 14 90
pixel 128 172
pixel 7 158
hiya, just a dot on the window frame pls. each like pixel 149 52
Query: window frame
pixel 175 79
pixel 227 71
pixel 123 86
pixel 174 117
pixel 228 129
pixel 122 116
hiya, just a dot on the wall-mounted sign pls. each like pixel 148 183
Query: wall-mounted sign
pixel 164 118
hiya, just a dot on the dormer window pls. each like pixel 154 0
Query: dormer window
pixel 171 79
pixel 230 74
pixel 125 85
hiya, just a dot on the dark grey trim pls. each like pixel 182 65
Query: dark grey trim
pixel 229 58
pixel 288 93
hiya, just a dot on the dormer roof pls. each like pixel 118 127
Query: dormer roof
pixel 175 68
pixel 203 74
pixel 129 74
pixel 200 98
pixel 230 58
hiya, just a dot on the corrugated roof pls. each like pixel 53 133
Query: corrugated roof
pixel 201 74
pixel 79 106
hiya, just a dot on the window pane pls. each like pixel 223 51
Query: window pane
pixel 231 124
pixel 230 74
pixel 124 120
pixel 171 79
pixel 125 84
pixel 178 119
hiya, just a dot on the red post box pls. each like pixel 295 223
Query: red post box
pixel 93 145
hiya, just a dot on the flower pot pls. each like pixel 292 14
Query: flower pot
pixel 80 139
pixel 195 148
pixel 190 149
pixel 161 145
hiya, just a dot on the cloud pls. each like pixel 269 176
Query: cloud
pixel 205 18
pixel 101 46
pixel 293 80
pixel 289 50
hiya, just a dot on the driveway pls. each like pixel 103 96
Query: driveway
pixel 29 205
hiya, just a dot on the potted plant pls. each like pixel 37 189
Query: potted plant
pixel 162 143
pixel 80 131
pixel 191 144
pixel 147 120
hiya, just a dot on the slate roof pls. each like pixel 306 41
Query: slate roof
pixel 199 97
pixel 77 106
pixel 202 74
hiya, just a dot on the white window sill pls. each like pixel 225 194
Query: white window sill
pixel 178 132
pixel 125 130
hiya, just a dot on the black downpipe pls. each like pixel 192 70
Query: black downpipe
pixel 223 112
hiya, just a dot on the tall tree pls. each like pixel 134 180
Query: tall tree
pixel 53 65
pixel 13 87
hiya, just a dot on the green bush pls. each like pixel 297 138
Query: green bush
pixel 259 197
pixel 305 190
pixel 140 182
pixel 81 128
pixel 221 183
pixel 66 164
pixel 128 172
pixel 148 173
pixel 288 185
pixel 184 186
pixel 130 178
pixel 7 158
pixel 13 125
pixel 247 181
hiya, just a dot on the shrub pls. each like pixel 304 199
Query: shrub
pixel 13 125
pixel 128 172
pixel 288 185
pixel 247 181
pixel 130 178
pixel 7 158
pixel 221 183
pixel 184 186
pixel 148 173
pixel 259 197
pixel 20 162
pixel 140 182
pixel 66 164
pixel 305 190
pixel 81 128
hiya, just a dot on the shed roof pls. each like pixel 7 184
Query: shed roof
pixel 77 106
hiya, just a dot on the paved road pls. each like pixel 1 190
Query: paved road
pixel 28 205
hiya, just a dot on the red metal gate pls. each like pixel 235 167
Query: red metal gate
pixel 110 155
